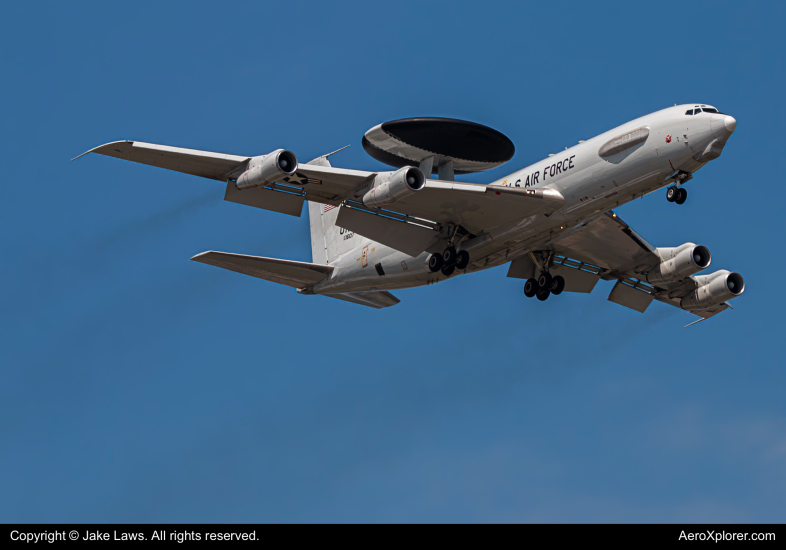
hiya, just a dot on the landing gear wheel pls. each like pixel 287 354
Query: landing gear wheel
pixel 544 282
pixel 530 288
pixel 449 256
pixel 447 270
pixel 543 295
pixel 682 196
pixel 462 259
pixel 671 194
pixel 557 285
pixel 435 262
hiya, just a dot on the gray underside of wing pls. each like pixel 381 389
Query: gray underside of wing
pixel 703 313
pixel 411 224
pixel 620 253
pixel 285 272
pixel 610 243
pixel 476 207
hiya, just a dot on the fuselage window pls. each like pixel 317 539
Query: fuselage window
pixel 689 112
pixel 710 110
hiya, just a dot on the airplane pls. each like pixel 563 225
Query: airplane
pixel 553 221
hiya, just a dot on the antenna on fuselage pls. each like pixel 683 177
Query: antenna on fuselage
pixel 336 151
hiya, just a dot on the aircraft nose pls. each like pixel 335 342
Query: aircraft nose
pixel 730 122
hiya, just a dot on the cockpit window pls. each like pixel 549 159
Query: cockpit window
pixel 696 111
pixel 710 110
pixel 689 112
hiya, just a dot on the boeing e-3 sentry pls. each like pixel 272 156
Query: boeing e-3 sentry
pixel 373 232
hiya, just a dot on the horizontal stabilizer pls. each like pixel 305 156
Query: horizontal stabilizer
pixel 284 272
pixel 377 300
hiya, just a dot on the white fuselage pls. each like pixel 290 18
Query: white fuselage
pixel 589 183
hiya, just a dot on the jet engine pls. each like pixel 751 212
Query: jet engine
pixel 266 169
pixel 388 187
pixel 715 288
pixel 677 263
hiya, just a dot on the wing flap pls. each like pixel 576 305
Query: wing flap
pixel 630 297
pixel 266 199
pixel 576 280
pixel 522 268
pixel 285 272
pixel 406 237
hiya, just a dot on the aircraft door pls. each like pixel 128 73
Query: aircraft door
pixel 364 262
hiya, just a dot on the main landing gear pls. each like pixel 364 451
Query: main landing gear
pixel 448 261
pixel 543 286
pixel 676 194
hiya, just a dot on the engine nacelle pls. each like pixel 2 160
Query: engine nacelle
pixel 715 288
pixel 388 187
pixel 678 263
pixel 267 169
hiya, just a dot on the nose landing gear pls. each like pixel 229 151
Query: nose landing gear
pixel 676 194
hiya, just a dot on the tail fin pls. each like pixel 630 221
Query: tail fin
pixel 328 242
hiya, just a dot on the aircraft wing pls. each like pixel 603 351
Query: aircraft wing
pixel 610 249
pixel 610 243
pixel 327 182
pixel 190 161
pixel 474 207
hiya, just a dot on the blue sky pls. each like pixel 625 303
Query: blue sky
pixel 138 386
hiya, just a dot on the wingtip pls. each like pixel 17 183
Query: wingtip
pixel 197 257
pixel 80 156
pixel 100 146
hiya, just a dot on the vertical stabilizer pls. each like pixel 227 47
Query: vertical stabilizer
pixel 318 243
pixel 328 241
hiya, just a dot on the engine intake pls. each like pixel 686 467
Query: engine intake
pixel 678 263
pixel 717 288
pixel 388 187
pixel 267 169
